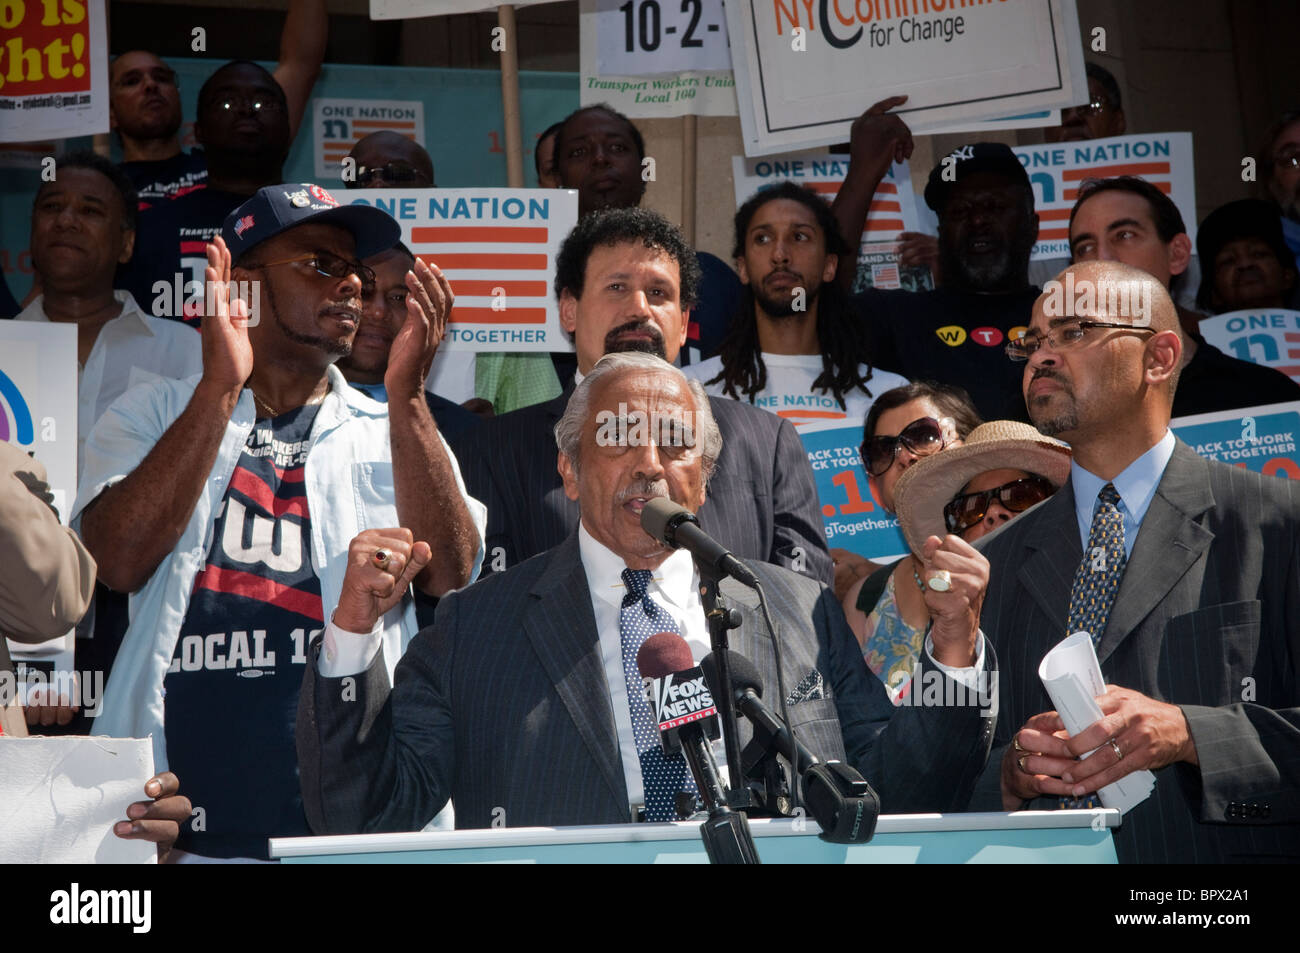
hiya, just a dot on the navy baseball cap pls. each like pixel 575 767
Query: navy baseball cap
pixel 975 157
pixel 278 208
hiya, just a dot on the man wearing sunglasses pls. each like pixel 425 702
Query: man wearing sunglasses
pixel 244 128
pixel 1185 571
pixel 226 503
pixel 144 106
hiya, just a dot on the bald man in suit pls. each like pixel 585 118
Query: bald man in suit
pixel 1185 571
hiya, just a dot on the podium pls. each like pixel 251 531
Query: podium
pixel 1025 837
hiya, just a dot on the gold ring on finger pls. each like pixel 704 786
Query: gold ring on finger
pixel 382 558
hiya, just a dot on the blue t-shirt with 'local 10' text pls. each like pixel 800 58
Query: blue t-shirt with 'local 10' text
pixel 231 693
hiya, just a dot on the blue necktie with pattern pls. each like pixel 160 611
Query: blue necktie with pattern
pixel 1097 579
pixel 1095 584
pixel 663 776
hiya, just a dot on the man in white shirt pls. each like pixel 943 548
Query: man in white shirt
pixel 522 703
pixel 83 225
pixel 794 349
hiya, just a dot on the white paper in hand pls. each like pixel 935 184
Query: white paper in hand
pixel 1072 677
pixel 60 797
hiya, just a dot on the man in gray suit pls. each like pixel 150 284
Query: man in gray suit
pixel 1185 571
pixel 522 702
pixel 626 280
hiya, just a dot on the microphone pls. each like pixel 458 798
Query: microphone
pixel 838 797
pixel 682 706
pixel 676 526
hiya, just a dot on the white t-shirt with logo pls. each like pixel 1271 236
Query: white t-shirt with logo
pixel 789 391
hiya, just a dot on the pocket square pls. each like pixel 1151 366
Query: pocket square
pixel 811 688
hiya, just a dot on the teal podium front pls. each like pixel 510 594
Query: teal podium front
pixel 1025 837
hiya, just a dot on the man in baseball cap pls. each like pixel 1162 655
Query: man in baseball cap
pixel 956 332
pixel 225 505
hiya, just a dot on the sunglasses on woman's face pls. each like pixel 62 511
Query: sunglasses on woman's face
pixel 923 437
pixel 1017 496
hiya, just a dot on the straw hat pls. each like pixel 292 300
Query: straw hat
pixel 929 484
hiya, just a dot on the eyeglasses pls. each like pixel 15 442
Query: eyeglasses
pixel 923 437
pixel 1063 337
pixel 331 266
pixel 396 173
pixel 1017 496
pixel 256 101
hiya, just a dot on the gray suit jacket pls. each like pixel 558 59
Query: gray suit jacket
pixel 503 705
pixel 1208 618
pixel 762 499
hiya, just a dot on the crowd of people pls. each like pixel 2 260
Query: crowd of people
pixel 346 588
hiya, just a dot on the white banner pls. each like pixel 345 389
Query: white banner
pixel 497 248
pixel 802 68
pixel 53 70
pixel 686 86
pixel 1057 169
pixel 646 37
pixel 1270 337
pixel 339 124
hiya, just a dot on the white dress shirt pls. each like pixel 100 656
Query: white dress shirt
pixel 130 349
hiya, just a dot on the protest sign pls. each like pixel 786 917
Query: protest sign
pixel 638 83
pixel 1270 336
pixel 339 124
pixel 38 415
pixel 801 67
pixel 853 517
pixel 646 37
pixel 893 210
pixel 53 69
pixel 1260 439
pixel 1057 169
pixel 497 248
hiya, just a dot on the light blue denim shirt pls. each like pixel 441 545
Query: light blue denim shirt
pixel 349 479
pixel 1136 486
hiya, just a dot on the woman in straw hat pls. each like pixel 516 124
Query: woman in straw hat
pixel 1002 469
pixel 903 426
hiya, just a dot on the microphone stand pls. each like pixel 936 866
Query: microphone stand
pixel 721 619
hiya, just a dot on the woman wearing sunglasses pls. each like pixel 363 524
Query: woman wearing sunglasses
pixel 887 609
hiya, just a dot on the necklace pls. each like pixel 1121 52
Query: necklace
pixel 271 411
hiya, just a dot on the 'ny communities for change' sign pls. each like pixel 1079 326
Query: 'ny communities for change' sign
pixel 497 248
pixel 803 67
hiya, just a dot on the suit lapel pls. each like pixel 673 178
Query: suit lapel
pixel 1169 542
pixel 562 629
pixel 1047 573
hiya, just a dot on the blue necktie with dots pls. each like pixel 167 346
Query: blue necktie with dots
pixel 1095 585
pixel 1099 573
pixel 663 776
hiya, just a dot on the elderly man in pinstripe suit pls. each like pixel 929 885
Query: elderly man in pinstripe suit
pixel 1185 571
pixel 522 702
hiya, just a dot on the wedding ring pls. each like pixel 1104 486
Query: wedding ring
pixel 1015 743
pixel 1114 746
pixel 381 558
pixel 940 581
pixel 1021 761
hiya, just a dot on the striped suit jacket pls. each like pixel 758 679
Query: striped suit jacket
pixel 503 705
pixel 1207 617
pixel 762 499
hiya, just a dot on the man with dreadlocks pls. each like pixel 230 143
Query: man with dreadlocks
pixel 795 349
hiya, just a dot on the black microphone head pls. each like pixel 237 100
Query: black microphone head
pixel 661 516
pixel 662 654
pixel 743 673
